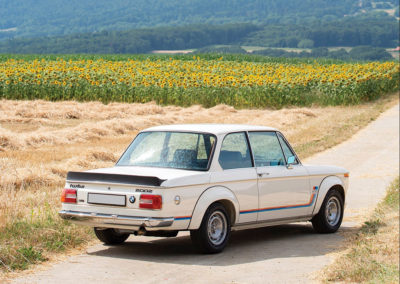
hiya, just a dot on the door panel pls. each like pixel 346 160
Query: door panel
pixel 238 174
pixel 283 192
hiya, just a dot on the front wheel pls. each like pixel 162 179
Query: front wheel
pixel 110 236
pixel 329 217
pixel 214 231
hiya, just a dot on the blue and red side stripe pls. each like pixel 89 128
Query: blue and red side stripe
pixel 312 200
pixel 183 218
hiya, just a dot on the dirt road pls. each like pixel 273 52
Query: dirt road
pixel 285 254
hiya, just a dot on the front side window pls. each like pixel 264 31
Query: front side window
pixel 286 149
pixel 235 152
pixel 266 149
pixel 191 151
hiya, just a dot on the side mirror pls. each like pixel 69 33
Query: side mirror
pixel 290 161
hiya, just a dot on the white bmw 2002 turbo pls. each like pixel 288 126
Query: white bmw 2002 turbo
pixel 206 178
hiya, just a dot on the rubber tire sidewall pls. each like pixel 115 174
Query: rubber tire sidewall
pixel 110 236
pixel 319 222
pixel 200 237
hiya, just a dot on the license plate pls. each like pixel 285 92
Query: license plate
pixel 107 199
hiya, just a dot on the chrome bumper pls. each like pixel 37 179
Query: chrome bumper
pixel 115 221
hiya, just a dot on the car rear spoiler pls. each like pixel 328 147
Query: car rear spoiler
pixel 87 177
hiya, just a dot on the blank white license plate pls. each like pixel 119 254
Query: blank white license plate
pixel 107 199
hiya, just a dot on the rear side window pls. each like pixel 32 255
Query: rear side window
pixel 266 149
pixel 235 152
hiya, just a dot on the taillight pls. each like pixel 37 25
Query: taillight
pixel 149 201
pixel 68 195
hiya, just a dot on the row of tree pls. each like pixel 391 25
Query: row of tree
pixel 379 31
pixel 133 41
pixel 356 53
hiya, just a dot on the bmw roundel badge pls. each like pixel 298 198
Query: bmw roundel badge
pixel 132 199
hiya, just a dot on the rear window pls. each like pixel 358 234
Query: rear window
pixel 181 150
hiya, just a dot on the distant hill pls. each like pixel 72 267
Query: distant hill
pixel 33 18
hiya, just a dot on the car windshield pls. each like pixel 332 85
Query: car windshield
pixel 182 150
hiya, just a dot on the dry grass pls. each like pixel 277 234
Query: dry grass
pixel 40 141
pixel 372 254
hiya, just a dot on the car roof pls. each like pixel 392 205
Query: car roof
pixel 210 128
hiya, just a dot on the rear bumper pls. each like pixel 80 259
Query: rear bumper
pixel 116 221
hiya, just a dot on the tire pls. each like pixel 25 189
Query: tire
pixel 330 215
pixel 214 231
pixel 110 236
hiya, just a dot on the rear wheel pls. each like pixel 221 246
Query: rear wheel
pixel 214 231
pixel 329 217
pixel 110 236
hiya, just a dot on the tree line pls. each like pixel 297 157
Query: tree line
pixel 356 53
pixel 377 30
pixel 359 31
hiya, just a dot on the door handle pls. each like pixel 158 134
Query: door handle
pixel 262 174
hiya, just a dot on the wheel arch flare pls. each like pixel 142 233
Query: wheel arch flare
pixel 214 194
pixel 330 182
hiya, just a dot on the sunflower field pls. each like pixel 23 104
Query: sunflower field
pixel 194 80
